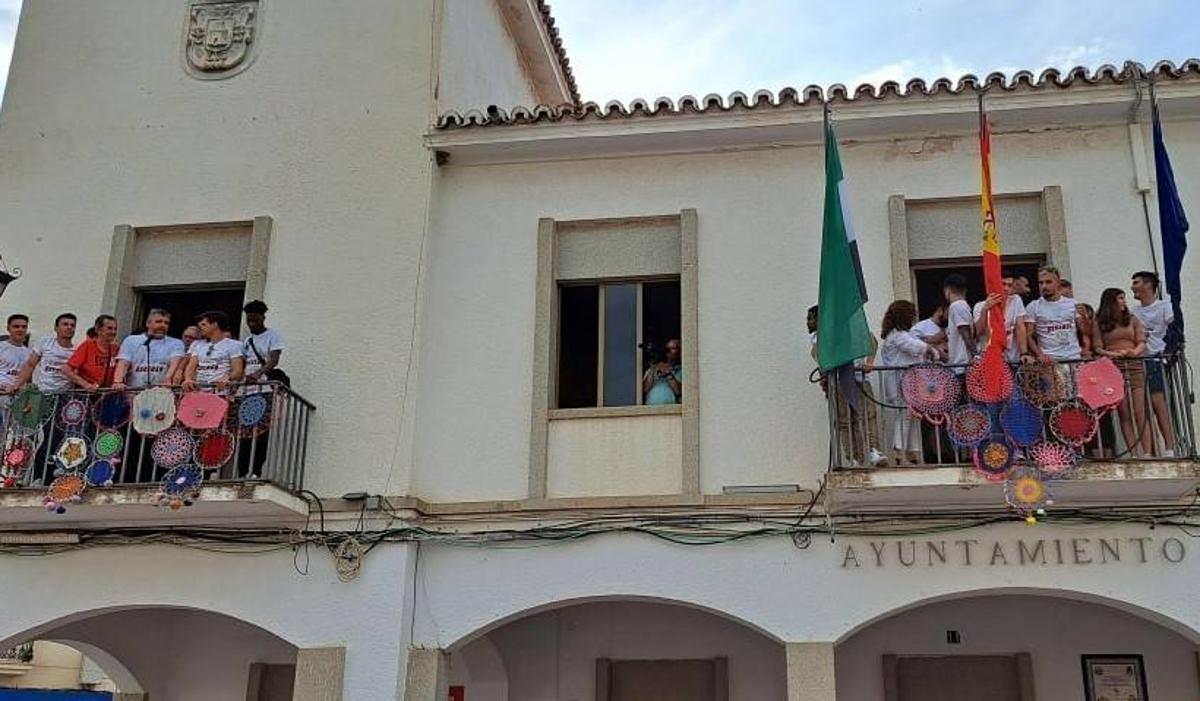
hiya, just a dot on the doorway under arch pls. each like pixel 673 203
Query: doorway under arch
pixel 619 650
pixel 175 653
pixel 1029 645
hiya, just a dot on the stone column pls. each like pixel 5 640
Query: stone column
pixel 426 678
pixel 319 674
pixel 810 674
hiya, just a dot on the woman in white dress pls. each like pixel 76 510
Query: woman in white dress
pixel 902 348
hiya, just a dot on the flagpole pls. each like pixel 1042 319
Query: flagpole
pixel 1145 205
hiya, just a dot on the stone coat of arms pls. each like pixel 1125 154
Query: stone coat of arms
pixel 220 36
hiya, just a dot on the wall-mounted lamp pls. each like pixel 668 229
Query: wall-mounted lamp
pixel 7 276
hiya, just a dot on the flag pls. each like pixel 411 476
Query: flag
pixel 1173 224
pixel 842 332
pixel 993 355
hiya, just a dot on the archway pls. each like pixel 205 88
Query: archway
pixel 177 653
pixel 1031 643
pixel 604 648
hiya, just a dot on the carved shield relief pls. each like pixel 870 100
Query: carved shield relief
pixel 220 36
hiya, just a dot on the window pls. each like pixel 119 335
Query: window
pixel 186 304
pixel 929 275
pixel 609 335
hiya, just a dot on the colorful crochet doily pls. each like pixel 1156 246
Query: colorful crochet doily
pixel 968 424
pixel 1021 421
pixel 172 447
pixel 18 454
pixel 153 411
pixel 930 390
pixel 30 407
pixel 180 486
pixel 201 411
pixel 989 392
pixel 254 414
pixel 72 413
pixel 1054 459
pixel 108 444
pixel 64 490
pixel 101 473
pixel 111 410
pixel 994 458
pixel 1073 422
pixel 214 449
pixel 1101 384
pixel 1026 492
pixel 1043 385
pixel 72 452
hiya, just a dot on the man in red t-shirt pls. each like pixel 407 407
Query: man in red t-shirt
pixel 91 365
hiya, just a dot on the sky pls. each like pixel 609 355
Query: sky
pixel 622 49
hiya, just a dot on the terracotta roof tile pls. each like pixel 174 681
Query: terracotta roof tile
pixel 764 99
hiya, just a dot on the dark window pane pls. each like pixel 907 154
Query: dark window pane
pixel 620 345
pixel 578 345
pixel 660 318
pixel 186 304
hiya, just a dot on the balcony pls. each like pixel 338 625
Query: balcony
pixel 159 456
pixel 1061 424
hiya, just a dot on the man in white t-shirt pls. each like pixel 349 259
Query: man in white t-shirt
pixel 1051 322
pixel 49 355
pixel 263 347
pixel 149 358
pixel 960 327
pixel 1156 316
pixel 215 359
pixel 14 354
pixel 1014 320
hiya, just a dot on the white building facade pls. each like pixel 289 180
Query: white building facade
pixel 470 291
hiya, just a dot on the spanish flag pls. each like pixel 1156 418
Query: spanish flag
pixel 993 355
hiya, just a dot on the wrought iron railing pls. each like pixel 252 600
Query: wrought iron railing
pixel 874 423
pixel 136 437
pixel 22 653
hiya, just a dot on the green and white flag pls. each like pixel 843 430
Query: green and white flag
pixel 842 332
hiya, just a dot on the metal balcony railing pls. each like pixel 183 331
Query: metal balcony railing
pixel 259 432
pixel 883 417
pixel 22 653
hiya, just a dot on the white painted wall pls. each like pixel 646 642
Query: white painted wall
pixel 607 456
pixel 790 594
pixel 759 250
pixel 552 656
pixel 368 616
pixel 1054 632
pixel 102 126
pixel 478 63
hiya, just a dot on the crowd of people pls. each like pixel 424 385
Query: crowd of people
pixel 206 355
pixel 1052 329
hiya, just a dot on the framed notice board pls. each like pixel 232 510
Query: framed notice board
pixel 1114 678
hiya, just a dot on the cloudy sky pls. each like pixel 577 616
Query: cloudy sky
pixel 646 48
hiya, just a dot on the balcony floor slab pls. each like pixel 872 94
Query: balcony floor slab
pixel 956 488
pixel 232 504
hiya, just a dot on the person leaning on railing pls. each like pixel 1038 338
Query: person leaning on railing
pixel 215 359
pixel 92 364
pixel 1156 315
pixel 902 348
pixel 1119 335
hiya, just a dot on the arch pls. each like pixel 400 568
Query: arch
pixel 40 630
pixel 607 598
pixel 1070 594
pixel 120 675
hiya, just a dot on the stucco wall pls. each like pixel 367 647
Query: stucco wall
pixel 306 608
pixel 1054 632
pixel 478 64
pixel 552 655
pixel 801 595
pixel 759 250
pixel 102 126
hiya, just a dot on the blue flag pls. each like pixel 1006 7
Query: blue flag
pixel 1173 224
